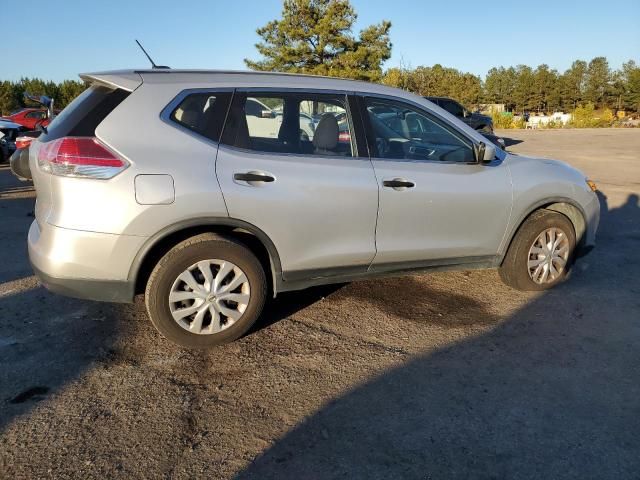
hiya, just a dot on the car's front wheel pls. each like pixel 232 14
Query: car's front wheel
pixel 206 291
pixel 541 252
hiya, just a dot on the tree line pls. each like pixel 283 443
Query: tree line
pixel 520 88
pixel 316 36
pixel 12 93
pixel 523 88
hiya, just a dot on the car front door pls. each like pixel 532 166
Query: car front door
pixel 305 188
pixel 437 206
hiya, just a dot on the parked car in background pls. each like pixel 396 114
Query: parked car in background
pixel 9 131
pixel 477 121
pixel 19 161
pixel 29 118
pixel 412 189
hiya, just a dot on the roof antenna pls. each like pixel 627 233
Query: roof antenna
pixel 153 64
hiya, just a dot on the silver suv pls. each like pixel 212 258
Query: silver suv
pixel 209 191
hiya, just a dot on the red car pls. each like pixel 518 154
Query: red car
pixel 29 117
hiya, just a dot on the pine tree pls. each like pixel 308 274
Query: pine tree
pixel 315 36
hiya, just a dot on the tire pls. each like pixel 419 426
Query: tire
pixel 205 250
pixel 515 270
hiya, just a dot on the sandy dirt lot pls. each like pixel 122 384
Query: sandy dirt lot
pixel 446 375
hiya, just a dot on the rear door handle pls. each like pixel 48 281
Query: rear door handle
pixel 398 183
pixel 253 177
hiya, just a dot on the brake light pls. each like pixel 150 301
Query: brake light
pixel 344 137
pixel 23 142
pixel 85 157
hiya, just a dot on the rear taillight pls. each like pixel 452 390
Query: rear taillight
pixel 23 142
pixel 344 137
pixel 83 157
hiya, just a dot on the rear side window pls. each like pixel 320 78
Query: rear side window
pixel 82 116
pixel 203 113
pixel 290 123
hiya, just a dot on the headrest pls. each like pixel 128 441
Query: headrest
pixel 326 134
pixel 189 117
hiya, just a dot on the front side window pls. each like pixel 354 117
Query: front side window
pixel 290 123
pixel 400 131
pixel 203 113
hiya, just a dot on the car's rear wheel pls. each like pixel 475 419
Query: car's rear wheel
pixel 206 291
pixel 541 253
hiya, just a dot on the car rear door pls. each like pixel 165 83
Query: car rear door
pixel 436 204
pixel 307 189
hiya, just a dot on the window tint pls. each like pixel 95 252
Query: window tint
pixel 304 124
pixel 403 132
pixel 454 108
pixel 82 116
pixel 203 113
pixel 35 114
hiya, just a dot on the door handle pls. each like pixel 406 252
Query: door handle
pixel 398 183
pixel 253 177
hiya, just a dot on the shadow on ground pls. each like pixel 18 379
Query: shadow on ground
pixel 45 340
pixel 48 341
pixel 45 343
pixel 552 392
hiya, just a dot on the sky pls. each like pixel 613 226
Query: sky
pixel 468 35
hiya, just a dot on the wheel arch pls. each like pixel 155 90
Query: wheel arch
pixel 160 243
pixel 565 206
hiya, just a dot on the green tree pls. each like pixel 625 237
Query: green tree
pixel 396 77
pixel 631 85
pixel 315 36
pixel 12 93
pixel 545 95
pixel 524 92
pixel 597 81
pixel 9 97
pixel 499 85
pixel 67 91
pixel 437 81
pixel 572 84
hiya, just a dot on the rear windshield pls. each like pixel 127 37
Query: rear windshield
pixel 82 116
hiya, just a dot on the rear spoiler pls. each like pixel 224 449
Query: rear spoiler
pixel 126 80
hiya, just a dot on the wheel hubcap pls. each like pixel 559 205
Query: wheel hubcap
pixel 548 256
pixel 209 296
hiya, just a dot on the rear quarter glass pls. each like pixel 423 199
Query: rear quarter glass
pixel 82 116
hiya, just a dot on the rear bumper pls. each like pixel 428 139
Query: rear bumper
pixel 89 265
pixel 99 290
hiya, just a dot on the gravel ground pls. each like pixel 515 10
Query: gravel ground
pixel 446 375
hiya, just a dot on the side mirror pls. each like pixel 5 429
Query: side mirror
pixel 484 153
pixel 267 114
